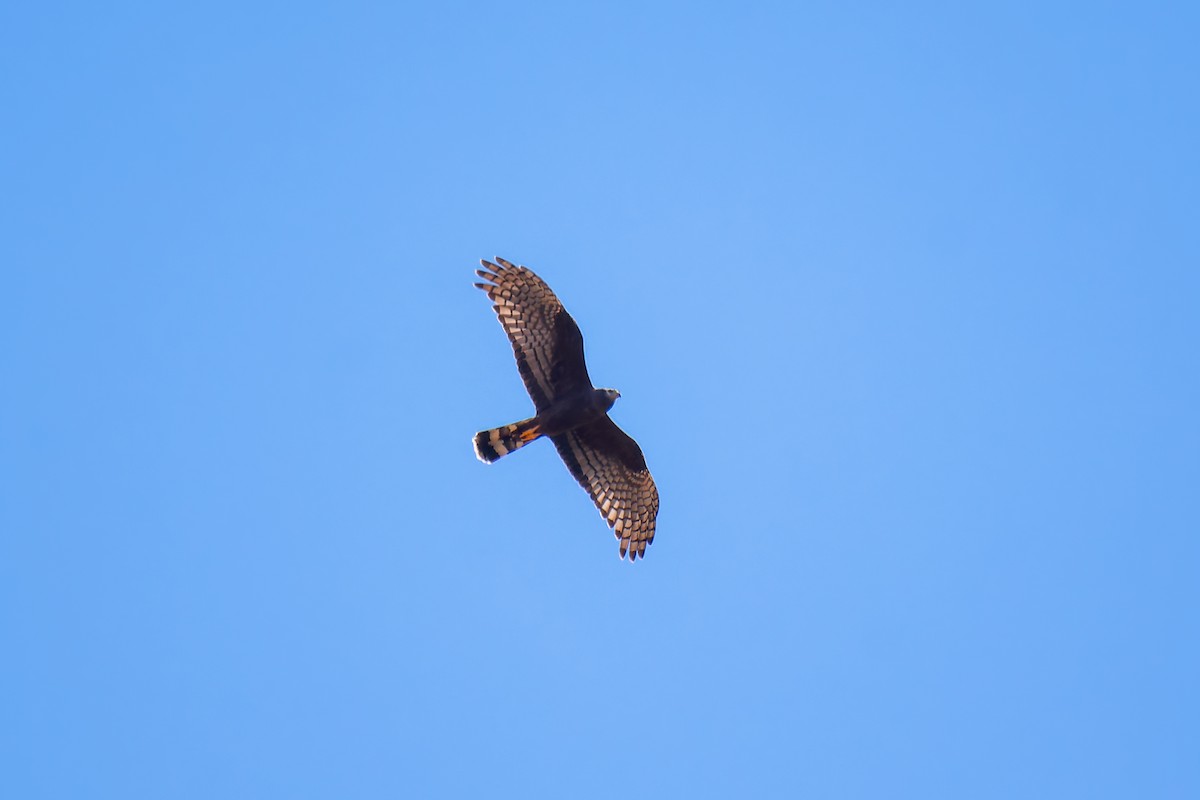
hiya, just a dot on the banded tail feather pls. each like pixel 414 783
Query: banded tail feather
pixel 491 445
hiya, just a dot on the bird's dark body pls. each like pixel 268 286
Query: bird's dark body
pixel 568 413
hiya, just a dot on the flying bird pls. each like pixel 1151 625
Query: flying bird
pixel 605 460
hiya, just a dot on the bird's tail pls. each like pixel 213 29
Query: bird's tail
pixel 490 445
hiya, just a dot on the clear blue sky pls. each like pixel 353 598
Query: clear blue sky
pixel 902 300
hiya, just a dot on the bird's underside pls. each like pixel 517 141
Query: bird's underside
pixel 573 414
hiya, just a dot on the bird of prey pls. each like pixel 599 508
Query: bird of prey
pixel 549 348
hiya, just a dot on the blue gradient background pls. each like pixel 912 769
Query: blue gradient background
pixel 902 300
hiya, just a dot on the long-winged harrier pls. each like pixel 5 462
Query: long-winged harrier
pixel 549 350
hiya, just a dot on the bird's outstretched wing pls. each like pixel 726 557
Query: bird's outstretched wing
pixel 545 340
pixel 608 463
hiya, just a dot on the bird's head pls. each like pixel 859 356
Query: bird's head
pixel 607 397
